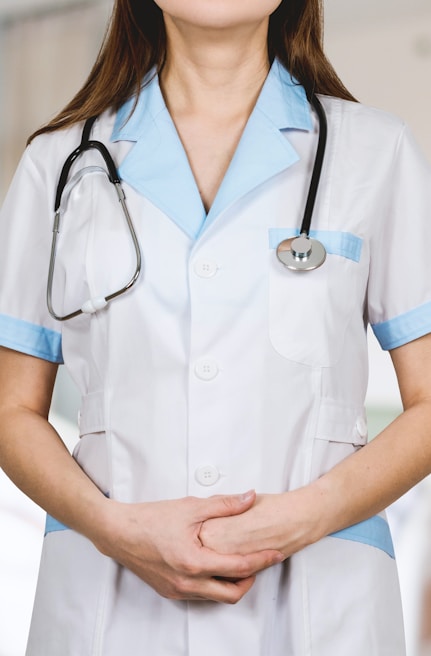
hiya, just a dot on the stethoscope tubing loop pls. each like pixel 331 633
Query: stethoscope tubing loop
pixel 63 191
pixel 138 267
pixel 82 148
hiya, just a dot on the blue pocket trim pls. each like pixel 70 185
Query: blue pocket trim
pixel 336 243
pixel 374 531
pixel 30 338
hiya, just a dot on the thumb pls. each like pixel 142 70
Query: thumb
pixel 229 504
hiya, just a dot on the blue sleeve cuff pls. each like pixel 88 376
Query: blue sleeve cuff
pixel 404 328
pixel 31 339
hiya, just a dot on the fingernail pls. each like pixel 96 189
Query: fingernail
pixel 246 496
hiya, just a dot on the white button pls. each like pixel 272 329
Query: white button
pixel 361 427
pixel 206 369
pixel 207 475
pixel 205 268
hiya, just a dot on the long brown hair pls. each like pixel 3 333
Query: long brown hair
pixel 135 43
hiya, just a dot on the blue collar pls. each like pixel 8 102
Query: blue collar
pixel 157 165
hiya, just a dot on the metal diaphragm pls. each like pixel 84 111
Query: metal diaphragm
pixel 301 253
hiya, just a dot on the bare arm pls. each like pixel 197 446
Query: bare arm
pixel 355 489
pixel 157 541
pixel 400 456
pixel 31 452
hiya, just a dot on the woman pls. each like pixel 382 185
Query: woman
pixel 221 372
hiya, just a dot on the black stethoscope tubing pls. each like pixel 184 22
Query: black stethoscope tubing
pixel 318 165
pixel 86 144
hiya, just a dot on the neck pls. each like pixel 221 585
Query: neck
pixel 213 72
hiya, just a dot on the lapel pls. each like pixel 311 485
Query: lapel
pixel 157 165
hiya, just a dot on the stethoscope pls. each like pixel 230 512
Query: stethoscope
pixel 301 253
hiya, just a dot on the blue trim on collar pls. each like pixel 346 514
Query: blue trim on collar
pixel 158 168
pixel 374 531
pixel 31 339
pixel 282 99
pixel 133 124
pixel 344 244
pixel 404 328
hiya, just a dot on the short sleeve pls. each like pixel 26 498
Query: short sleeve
pixel 25 242
pixel 399 289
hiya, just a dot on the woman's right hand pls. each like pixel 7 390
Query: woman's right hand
pixel 159 542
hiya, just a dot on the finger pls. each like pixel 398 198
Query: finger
pixel 261 560
pixel 226 505
pixel 221 591
pixel 229 592
pixel 235 567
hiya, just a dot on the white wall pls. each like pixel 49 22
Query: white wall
pixel 384 56
pixel 46 58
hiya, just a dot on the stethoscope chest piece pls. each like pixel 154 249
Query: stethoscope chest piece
pixel 301 253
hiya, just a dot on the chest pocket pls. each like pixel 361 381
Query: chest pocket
pixel 309 311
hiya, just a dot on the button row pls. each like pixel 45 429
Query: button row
pixel 206 369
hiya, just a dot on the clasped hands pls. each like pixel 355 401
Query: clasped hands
pixel 204 549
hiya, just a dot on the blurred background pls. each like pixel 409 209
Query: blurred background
pixel 382 52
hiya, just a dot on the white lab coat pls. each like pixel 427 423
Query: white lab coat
pixel 222 371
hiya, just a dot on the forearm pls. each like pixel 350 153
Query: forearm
pixel 357 488
pixel 371 479
pixel 34 457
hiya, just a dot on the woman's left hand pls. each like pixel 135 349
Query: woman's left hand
pixel 286 522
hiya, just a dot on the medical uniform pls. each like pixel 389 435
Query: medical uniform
pixel 221 370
